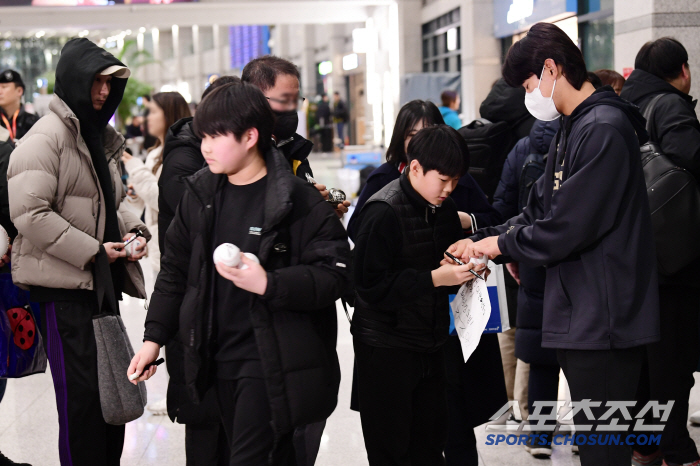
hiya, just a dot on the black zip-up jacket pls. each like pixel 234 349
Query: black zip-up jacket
pixel 304 249
pixel 296 150
pixel 675 127
pixel 400 241
pixel 588 221
pixel 505 103
pixel 6 148
pixel 25 121
pixel 182 157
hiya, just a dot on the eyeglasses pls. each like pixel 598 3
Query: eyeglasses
pixel 289 103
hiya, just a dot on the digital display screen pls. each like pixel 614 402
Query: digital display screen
pixel 248 42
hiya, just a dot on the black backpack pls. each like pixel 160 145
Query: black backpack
pixel 674 200
pixel 489 144
pixel 533 169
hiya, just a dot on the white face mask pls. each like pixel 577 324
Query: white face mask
pixel 539 106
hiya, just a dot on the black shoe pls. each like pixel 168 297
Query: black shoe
pixel 5 461
pixel 541 446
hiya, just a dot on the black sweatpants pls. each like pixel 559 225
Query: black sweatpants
pixel 602 375
pixel 84 437
pixel 671 363
pixel 543 385
pixel 404 406
pixel 246 417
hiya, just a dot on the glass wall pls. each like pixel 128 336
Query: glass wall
pixel 34 58
pixel 442 43
pixel 597 43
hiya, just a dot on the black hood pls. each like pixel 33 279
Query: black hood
pixel 80 61
pixel 541 135
pixel 505 103
pixel 607 96
pixel 641 85
pixel 298 148
pixel 181 134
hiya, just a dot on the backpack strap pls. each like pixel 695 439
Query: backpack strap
pixel 649 113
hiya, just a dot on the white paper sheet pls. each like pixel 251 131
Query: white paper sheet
pixel 471 309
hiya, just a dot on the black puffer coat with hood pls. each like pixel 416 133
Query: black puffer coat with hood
pixel 304 250
pixel 182 157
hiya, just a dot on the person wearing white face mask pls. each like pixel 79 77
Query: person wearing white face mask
pixel 588 221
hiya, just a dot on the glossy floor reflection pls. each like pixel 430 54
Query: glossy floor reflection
pixel 29 426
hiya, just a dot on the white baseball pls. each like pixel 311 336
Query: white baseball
pixel 228 254
pixel 250 256
pixel 479 260
pixel 131 247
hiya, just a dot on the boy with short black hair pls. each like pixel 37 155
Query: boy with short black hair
pixel 401 319
pixel 265 334
pixel 588 212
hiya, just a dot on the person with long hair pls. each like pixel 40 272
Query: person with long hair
pixel 413 117
pixel 164 110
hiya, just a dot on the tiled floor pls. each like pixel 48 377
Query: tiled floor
pixel 29 427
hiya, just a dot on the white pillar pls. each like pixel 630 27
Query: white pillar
pixel 197 87
pixel 640 21
pixel 216 32
pixel 280 41
pixel 481 55
pixel 308 62
pixel 176 53
pixel 155 34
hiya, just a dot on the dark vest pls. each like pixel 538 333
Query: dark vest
pixel 426 233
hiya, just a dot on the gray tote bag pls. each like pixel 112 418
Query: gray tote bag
pixel 121 400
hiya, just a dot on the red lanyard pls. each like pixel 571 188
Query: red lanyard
pixel 402 165
pixel 13 129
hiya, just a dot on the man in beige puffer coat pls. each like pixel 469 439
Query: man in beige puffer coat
pixel 65 196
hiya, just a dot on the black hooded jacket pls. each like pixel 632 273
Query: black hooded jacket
pixel 182 157
pixel 297 151
pixel 588 221
pixel 25 121
pixel 304 250
pixel 674 126
pixel 505 103
pixel 80 61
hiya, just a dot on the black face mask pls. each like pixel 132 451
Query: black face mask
pixel 286 125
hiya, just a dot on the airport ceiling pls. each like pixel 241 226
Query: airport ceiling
pixel 27 21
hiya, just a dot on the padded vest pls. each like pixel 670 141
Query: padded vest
pixel 426 232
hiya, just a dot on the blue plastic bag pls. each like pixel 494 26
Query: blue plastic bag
pixel 21 346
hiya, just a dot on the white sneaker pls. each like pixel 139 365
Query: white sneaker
pixel 695 418
pixel 158 408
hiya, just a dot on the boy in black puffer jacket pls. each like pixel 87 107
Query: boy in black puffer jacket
pixel 264 335
pixel 400 323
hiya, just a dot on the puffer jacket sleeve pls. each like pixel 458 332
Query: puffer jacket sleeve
pixel 144 181
pixel 162 320
pixel 32 186
pixel 505 200
pixel 322 275
pixel 132 222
